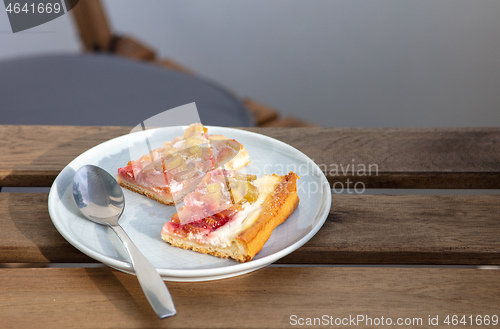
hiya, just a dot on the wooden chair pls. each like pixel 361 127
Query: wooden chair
pixel 97 36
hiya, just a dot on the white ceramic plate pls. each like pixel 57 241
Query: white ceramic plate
pixel 143 218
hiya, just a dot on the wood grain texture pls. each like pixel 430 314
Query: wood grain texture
pixel 413 229
pixel 267 298
pixel 361 229
pixel 398 158
pixel 27 234
pixel 34 155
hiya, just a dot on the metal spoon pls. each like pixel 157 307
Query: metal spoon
pixel 101 200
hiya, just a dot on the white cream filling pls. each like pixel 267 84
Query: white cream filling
pixel 223 236
pixel 236 163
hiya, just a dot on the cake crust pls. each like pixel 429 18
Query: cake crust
pixel 277 207
pixel 279 204
pixel 168 200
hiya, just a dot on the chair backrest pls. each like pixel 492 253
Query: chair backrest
pixel 93 26
pixel 97 36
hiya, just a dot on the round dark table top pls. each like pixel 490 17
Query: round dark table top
pixel 106 90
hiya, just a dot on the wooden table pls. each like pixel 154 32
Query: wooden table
pixel 378 257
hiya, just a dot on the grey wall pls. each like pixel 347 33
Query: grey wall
pixel 350 63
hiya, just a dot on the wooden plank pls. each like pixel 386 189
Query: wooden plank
pixel 269 298
pixel 412 229
pixel 364 229
pixel 400 157
pixel 377 158
pixel 27 234
pixel 34 155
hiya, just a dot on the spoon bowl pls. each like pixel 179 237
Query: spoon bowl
pixel 98 195
pixel 101 200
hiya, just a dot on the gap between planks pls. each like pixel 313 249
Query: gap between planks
pixel 101 265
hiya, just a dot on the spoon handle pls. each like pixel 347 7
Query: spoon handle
pixel 153 286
